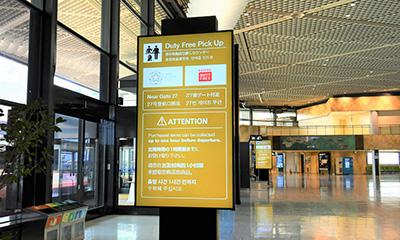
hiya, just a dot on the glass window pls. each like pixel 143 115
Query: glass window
pixel 90 164
pixel 14 50
pixel 126 196
pixel 286 115
pixel 78 65
pixel 385 158
pixel 130 28
pixel 128 97
pixel 65 164
pixel 159 15
pixel 85 18
pixel 77 170
pixel 127 86
pixel 286 118
pixel 263 118
pixel 244 116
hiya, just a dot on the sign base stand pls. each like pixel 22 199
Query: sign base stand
pixel 263 175
pixel 188 223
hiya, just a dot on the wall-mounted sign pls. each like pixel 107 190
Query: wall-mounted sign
pixel 184 156
pixel 316 143
pixel 263 154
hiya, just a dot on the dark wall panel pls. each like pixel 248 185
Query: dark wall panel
pixel 244 165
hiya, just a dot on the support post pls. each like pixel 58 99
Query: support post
pixel 42 59
pixel 176 223
pixel 375 164
pixel 263 175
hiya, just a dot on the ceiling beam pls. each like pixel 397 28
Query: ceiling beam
pixel 320 84
pixel 352 21
pixel 245 47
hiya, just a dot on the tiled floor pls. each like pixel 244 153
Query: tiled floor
pixel 295 207
pixel 122 227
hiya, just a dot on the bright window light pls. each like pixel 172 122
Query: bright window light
pixel 13 80
pixel 385 158
pixel 129 98
pixel 73 86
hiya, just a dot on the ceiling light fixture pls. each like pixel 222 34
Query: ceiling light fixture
pixel 246 14
pixel 352 4
pixel 248 24
pixel 348 15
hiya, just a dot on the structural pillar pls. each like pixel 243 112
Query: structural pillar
pixel 187 223
pixel 374 123
pixel 375 164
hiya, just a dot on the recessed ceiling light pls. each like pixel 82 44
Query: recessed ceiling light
pixel 348 15
pixel 246 14
pixel 352 4
pixel 248 24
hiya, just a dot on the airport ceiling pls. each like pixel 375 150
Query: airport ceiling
pixel 292 52
pixel 295 52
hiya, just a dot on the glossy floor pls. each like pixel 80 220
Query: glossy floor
pixel 122 227
pixel 294 207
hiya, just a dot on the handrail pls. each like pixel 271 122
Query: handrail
pixel 312 130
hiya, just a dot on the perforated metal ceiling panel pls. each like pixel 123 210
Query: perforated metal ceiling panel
pixel 294 52
pixel 14 31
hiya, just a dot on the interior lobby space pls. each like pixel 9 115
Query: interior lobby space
pixel 199 119
pixel 294 207
pixel 312 207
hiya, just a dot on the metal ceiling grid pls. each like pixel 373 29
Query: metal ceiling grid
pixel 77 60
pixel 361 63
pixel 287 5
pixel 130 27
pixel 381 11
pixel 313 49
pixel 72 13
pixel 255 18
pixel 14 31
pixel 159 15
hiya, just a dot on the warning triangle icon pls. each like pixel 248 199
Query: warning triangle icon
pixel 161 122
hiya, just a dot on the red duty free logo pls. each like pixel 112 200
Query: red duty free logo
pixel 205 75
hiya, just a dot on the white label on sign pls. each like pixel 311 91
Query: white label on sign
pixel 203 75
pixel 163 77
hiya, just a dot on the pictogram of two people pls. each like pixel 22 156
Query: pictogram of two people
pixel 150 52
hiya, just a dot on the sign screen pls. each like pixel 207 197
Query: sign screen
pixel 317 143
pixel 184 156
pixel 263 154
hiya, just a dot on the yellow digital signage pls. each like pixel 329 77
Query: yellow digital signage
pixel 184 154
pixel 263 154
